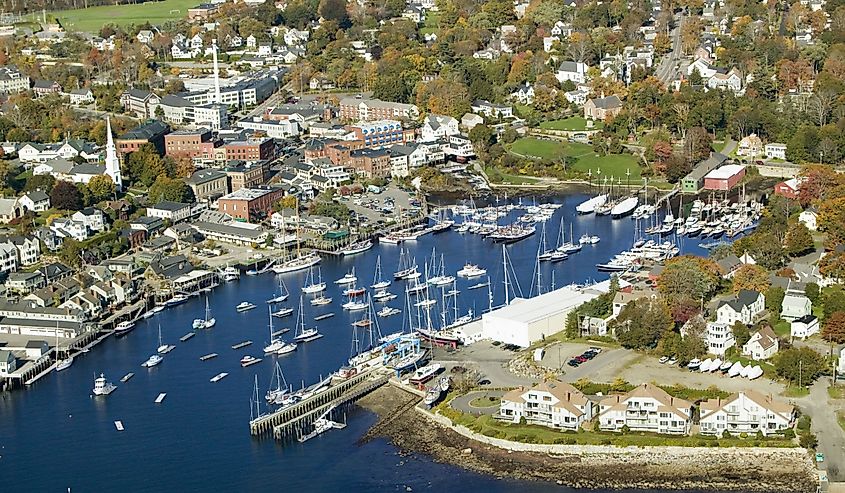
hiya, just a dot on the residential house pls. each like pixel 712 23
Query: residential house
pixel 28 248
pixel 149 225
pixel 762 345
pixel 81 96
pixel 492 110
pixel 8 258
pixel 746 412
pixel 145 36
pixel 35 201
pixel 65 227
pixel 470 120
pixel 552 403
pixel 438 127
pixel 91 218
pixel 142 103
pixel 601 108
pixel 577 97
pixel 10 209
pixel 744 307
pixel 12 80
pixel 808 218
pixel 804 327
pixel 728 265
pixel 24 282
pixel 775 150
pixel 44 87
pixel 726 80
pixel 750 146
pixel 795 306
pixel 622 298
pixel 646 408
pixel 523 94
pixel 719 338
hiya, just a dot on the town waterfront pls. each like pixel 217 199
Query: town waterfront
pixel 57 436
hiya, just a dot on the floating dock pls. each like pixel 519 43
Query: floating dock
pixel 127 377
pixel 119 425
pixel 187 336
pixel 289 421
pixel 208 356
pixel 324 316
pixel 241 344
pixel 160 397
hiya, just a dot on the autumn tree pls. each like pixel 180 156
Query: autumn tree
pixel 697 144
pixel 101 187
pixel 66 196
pixel 799 365
pixel 798 240
pixel 692 345
pixel 688 280
pixel 817 182
pixel 444 97
pixel 751 277
pixel 169 189
pixel 831 220
pixel 833 328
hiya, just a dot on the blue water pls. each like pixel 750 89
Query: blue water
pixel 54 435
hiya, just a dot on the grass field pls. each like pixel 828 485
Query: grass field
pixel 431 23
pixel 615 165
pixel 93 18
pixel 572 124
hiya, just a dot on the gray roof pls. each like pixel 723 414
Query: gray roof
pixel 88 169
pixel 610 102
pixel 146 131
pixel 204 176
pixel 706 166
pixel 226 229
pixel 744 298
pixel 37 196
pixel 167 205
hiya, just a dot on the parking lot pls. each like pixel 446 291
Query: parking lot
pixel 369 205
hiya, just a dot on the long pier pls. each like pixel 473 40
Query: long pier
pixel 284 422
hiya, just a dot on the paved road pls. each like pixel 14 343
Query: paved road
pixel 665 70
pixel 831 437
pixel 461 403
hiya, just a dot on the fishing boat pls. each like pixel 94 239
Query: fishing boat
pixel 303 334
pixel 163 348
pixel 348 278
pixel 282 312
pixel 624 207
pixel 244 306
pixel 283 293
pixel 102 386
pixel 355 248
pixel 218 377
pixel 311 285
pixel 425 373
pixel 589 206
pixel 249 361
pixel 320 301
pixel 275 342
pixel 152 361
pixel 378 282
pixel 470 271
pixel 124 328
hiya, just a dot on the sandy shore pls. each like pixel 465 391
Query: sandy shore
pixel 702 469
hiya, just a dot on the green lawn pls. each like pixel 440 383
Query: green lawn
pixel 782 328
pixel 615 165
pixel 431 23
pixel 93 18
pixel 573 123
pixel 510 179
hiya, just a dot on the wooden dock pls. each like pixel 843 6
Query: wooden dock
pixel 289 422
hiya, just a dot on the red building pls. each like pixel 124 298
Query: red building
pixel 725 177
pixel 189 144
pixel 788 188
pixel 250 149
pixel 250 203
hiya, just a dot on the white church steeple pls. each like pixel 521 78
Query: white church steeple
pixel 112 162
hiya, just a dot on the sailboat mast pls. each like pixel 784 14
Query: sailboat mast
pixel 505 268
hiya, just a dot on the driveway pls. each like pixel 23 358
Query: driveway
pixel 462 402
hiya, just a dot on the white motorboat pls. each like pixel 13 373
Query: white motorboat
pixel 432 395
pixel 177 299
pixel 244 306
pixel 230 274
pixel 321 301
pixel 735 369
pixel 313 286
pixel 425 373
pixel 384 297
pixel 425 303
pixel 354 306
pixel 388 311
pixel 471 270
pixel 589 206
pixel 348 278
pixel 705 365
pixel 694 364
pixel 283 312
pixel 152 361
pixel 124 328
pixel 286 348
pixel 249 361
pixel 102 386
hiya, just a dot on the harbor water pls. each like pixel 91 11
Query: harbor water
pixel 55 435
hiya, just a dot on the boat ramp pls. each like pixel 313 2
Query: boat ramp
pixel 290 421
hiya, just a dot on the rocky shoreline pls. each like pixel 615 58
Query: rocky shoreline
pixel 714 469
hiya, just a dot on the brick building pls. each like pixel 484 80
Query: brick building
pixel 363 109
pixel 371 163
pixel 190 144
pixel 250 203
pixel 152 132
pixel 246 175
pixel 381 133
pixel 250 149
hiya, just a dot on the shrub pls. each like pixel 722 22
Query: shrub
pixel 808 441
pixel 625 429
pixel 789 433
pixel 743 435
pixel 804 423
pixel 759 435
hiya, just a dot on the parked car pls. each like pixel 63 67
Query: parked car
pixel 663 360
pixel 573 363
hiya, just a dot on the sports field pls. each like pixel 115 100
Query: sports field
pixel 93 18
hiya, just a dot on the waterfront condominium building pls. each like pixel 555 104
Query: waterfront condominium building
pixel 745 412
pixel 646 408
pixel 380 133
pixel 553 404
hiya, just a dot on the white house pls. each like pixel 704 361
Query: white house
pixel 795 306
pixel 704 68
pixel 744 307
pixel 8 258
pixel 570 70
pixel 493 110
pixel 750 146
pixel 577 97
pixel 91 218
pixel 804 327
pixel 28 248
pixel 470 120
pixel 762 345
pixel 438 127
pixel 145 36
pixel 719 337
pixel 524 93
pixel 64 227
pixel 809 218
pixel 646 408
pixel 172 211
pixel 775 150
pixel 81 96
pixel 35 201
pixel 731 80
pixel 554 404
pixel 745 412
